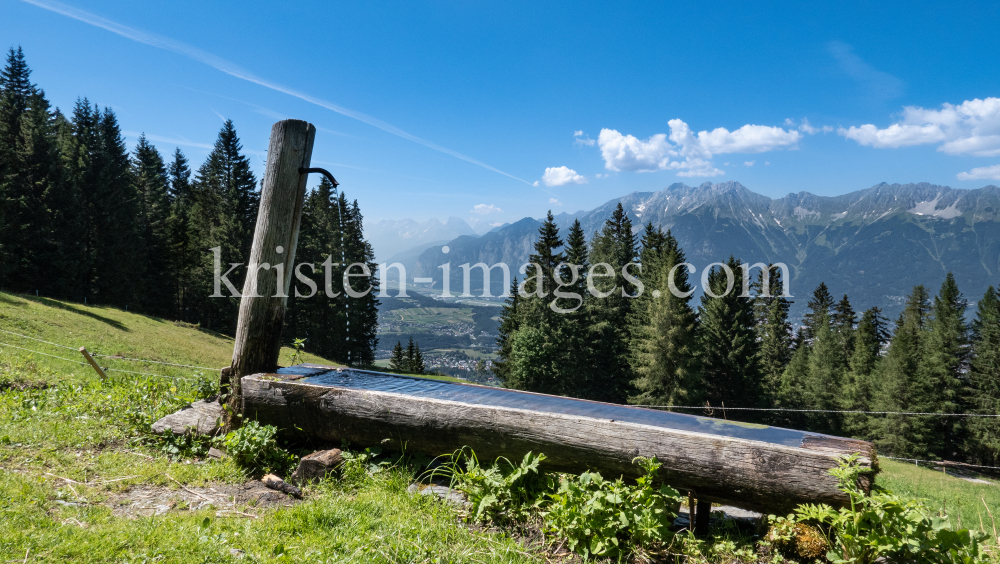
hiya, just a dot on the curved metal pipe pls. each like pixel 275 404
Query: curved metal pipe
pixel 322 171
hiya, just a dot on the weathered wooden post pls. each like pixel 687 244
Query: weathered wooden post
pixel 262 306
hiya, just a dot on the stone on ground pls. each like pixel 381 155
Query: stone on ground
pixel 201 418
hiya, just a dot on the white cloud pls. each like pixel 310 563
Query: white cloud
pixel 767 162
pixel 970 128
pixel 555 202
pixel 747 139
pixel 748 163
pixel 561 176
pixel 686 152
pixel 981 173
pixel 806 127
pixel 483 209
pixel 582 139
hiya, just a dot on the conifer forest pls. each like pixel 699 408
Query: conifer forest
pixel 85 218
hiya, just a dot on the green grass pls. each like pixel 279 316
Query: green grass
pixel 431 315
pixel 962 500
pixel 59 421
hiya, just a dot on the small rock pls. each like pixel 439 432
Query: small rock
pixel 216 454
pixel 201 417
pixel 444 492
pixel 276 483
pixel 316 466
pixel 236 553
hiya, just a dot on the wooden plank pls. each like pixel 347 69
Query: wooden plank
pixel 755 475
pixel 264 296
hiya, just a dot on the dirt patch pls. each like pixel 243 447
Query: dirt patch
pixel 22 385
pixel 235 500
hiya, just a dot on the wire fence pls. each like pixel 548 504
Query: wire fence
pixel 790 410
pixel 112 357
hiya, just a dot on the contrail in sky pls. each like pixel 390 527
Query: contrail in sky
pixel 235 70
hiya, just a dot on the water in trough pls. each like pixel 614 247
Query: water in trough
pixel 499 397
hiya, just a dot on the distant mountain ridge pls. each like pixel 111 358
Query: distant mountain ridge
pixel 392 237
pixel 873 244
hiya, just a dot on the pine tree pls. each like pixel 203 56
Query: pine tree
pixel 791 393
pixel 119 244
pixel 180 252
pixel 983 393
pixel 843 321
pixel 418 361
pixel 397 362
pixel 152 182
pixel 362 312
pixel 34 229
pixel 224 209
pixel 728 343
pixel 825 378
pixel 944 363
pixel 572 369
pixel 664 328
pixel 510 322
pixel 819 305
pixel 774 334
pixel 611 376
pixel 542 263
pixel 410 358
pixel 902 386
pixel 870 337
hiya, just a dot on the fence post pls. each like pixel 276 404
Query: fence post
pixel 262 306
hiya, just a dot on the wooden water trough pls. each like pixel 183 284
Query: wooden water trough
pixel 756 467
pixel 750 466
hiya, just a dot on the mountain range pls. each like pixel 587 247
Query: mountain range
pixel 873 245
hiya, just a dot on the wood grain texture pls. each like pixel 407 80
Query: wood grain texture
pixel 749 474
pixel 262 307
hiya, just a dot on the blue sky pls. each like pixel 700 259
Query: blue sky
pixel 495 111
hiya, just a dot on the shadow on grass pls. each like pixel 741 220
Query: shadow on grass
pixel 68 307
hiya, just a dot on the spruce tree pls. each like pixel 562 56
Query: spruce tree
pixel 36 232
pixel 791 392
pixel 774 334
pixel 222 215
pixel 843 321
pixel 611 376
pixel 410 358
pixel 903 387
pixel 728 343
pixel 510 322
pixel 825 379
pixel 362 312
pixel 418 361
pixel 983 392
pixel 664 328
pixel 152 183
pixel 870 337
pixel 944 363
pixel 181 254
pixel 397 362
pixel 819 305
pixel 542 263
pixel 571 329
pixel 119 242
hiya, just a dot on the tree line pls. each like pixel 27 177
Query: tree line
pixel 84 219
pixel 656 348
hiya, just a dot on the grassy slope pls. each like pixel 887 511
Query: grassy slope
pixel 84 429
pixel 962 500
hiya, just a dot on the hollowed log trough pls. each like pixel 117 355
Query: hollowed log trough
pixel 755 467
